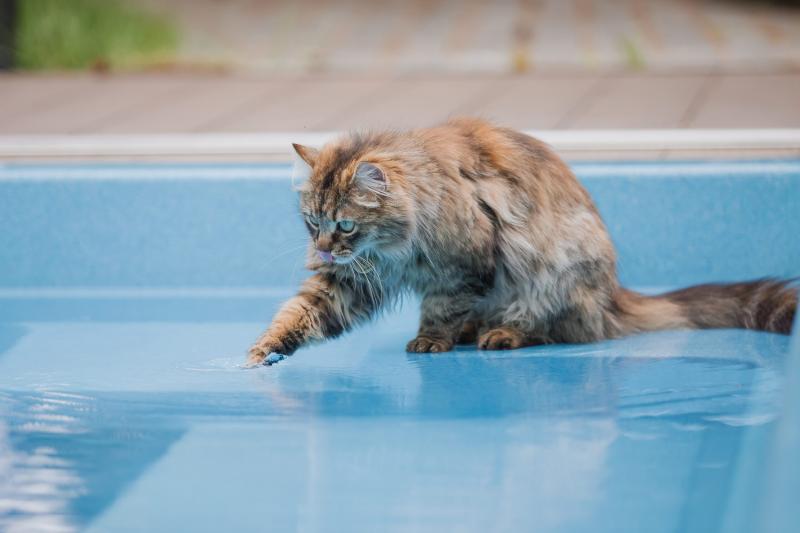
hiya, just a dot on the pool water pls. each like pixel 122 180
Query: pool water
pixel 129 294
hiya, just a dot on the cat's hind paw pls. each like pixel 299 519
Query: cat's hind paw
pixel 501 339
pixel 428 345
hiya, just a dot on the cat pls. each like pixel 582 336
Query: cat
pixel 495 234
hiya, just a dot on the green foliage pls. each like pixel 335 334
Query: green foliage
pixel 633 56
pixel 76 34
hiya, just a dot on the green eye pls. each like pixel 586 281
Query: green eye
pixel 346 226
pixel 313 221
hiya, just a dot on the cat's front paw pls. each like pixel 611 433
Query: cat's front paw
pixel 263 354
pixel 255 357
pixel 424 344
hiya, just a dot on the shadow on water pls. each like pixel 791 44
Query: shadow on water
pixel 10 334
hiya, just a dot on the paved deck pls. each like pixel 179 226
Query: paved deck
pixel 484 35
pixel 182 103
pixel 195 103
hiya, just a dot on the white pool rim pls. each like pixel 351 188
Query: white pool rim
pixel 278 144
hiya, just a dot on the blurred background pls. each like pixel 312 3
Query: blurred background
pixel 360 36
pixel 189 66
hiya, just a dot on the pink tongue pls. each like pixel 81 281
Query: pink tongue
pixel 325 256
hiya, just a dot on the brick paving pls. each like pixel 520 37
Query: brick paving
pixel 162 103
pixel 497 36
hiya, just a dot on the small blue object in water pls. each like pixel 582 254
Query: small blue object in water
pixel 274 358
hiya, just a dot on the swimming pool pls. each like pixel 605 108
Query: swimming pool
pixel 129 294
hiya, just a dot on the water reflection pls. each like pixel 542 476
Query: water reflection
pixel 65 456
pixel 726 377
pixel 37 485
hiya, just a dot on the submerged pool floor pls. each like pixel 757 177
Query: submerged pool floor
pixel 137 424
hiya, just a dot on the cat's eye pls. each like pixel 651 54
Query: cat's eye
pixel 346 226
pixel 312 221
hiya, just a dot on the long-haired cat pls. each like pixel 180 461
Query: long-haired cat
pixel 494 233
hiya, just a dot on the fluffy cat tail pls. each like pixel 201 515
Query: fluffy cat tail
pixel 764 304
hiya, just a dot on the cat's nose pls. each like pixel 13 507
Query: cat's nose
pixel 324 245
pixel 324 242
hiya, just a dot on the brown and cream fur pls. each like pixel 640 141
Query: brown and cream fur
pixel 495 234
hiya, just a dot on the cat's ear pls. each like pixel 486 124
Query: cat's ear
pixel 370 177
pixel 302 164
pixel 306 153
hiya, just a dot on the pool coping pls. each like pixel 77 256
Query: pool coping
pixel 277 146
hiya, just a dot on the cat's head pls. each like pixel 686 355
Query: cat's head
pixel 352 200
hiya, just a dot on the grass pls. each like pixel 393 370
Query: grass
pixel 80 34
pixel 633 56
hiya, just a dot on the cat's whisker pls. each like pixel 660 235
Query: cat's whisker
pixel 288 251
pixel 299 261
pixel 379 281
pixel 359 261
pixel 373 269
pixel 425 253
pixel 370 288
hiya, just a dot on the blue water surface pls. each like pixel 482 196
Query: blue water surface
pixel 129 294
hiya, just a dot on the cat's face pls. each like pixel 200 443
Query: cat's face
pixel 349 204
